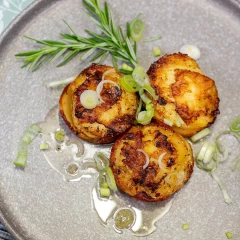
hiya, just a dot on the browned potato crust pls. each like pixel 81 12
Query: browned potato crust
pixel 150 184
pixel 183 91
pixel 106 121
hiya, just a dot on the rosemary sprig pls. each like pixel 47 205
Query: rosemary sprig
pixel 111 40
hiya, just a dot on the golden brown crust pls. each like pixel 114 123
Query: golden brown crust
pixel 107 120
pixel 183 91
pixel 150 184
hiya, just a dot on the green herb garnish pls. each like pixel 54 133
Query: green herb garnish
pixel 111 40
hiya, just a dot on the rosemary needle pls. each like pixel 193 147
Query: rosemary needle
pixel 111 40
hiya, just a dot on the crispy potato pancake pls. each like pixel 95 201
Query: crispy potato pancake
pixel 153 183
pixel 184 93
pixel 107 120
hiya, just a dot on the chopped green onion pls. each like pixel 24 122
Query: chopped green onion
pixel 101 160
pixel 145 117
pixel 104 185
pixel 110 179
pixel 152 39
pixel 185 226
pixel 89 99
pixel 140 76
pixel 226 197
pixel 100 87
pixel 137 30
pixel 179 121
pixel 203 151
pixel 235 125
pixel 61 82
pixel 156 51
pixel 104 192
pixel 209 153
pixel 139 107
pixel 44 146
pixel 127 82
pixel 149 107
pixel 168 122
pixel 218 145
pixel 60 135
pixel 125 71
pixel 145 99
pixel 200 135
pixel 228 235
pixel 150 90
pixel 237 163
pixel 127 67
pixel 204 167
pixel 25 140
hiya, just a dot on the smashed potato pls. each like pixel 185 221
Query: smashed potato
pixel 187 98
pixel 107 120
pixel 151 183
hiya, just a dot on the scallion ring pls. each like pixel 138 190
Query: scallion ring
pixel 226 197
pixel 127 82
pixel 101 160
pixel 107 72
pixel 146 157
pixel 160 160
pixel 100 87
pixel 235 125
pixel 137 30
pixel 110 179
pixel 203 133
pixel 150 90
pixel 89 99
pixel 178 178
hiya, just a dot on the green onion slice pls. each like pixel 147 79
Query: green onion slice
pixel 218 145
pixel 152 39
pixel 137 30
pixel 60 135
pixel 145 117
pixel 235 125
pixel 127 67
pixel 203 151
pixel 89 99
pixel 127 82
pixel 228 235
pixel 237 163
pixel 61 82
pixel 209 153
pixel 44 146
pixel 226 197
pixel 25 140
pixel 200 135
pixel 156 51
pixel 145 99
pixel 185 226
pixel 104 192
pixel 168 122
pixel 110 179
pixel 140 76
pixel 101 160
pixel 150 90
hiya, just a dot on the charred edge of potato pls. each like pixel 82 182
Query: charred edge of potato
pixel 118 167
pixel 65 107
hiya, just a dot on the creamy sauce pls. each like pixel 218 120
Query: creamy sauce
pixel 73 159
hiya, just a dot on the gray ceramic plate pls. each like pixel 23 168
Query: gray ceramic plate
pixel 36 203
